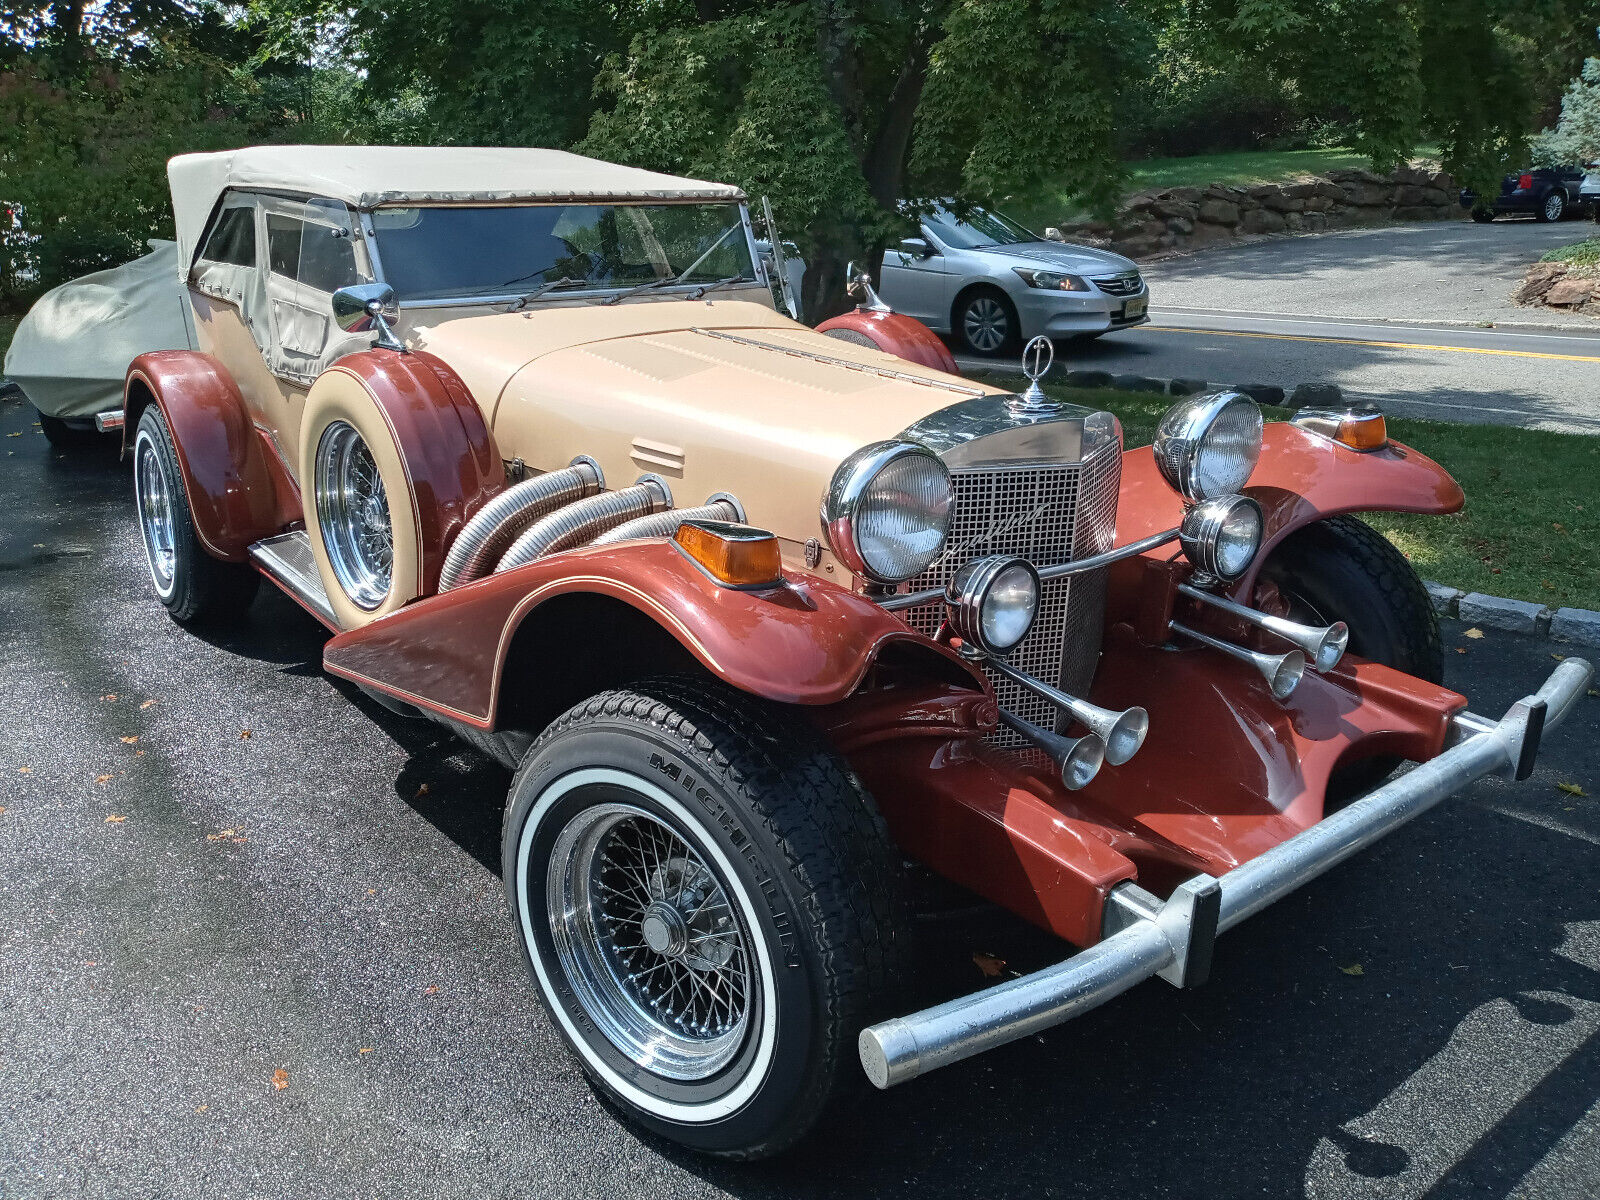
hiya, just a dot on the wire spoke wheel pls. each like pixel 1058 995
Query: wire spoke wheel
pixel 986 324
pixel 646 936
pixel 154 492
pixel 353 515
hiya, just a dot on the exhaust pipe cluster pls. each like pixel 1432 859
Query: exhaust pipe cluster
pixel 561 510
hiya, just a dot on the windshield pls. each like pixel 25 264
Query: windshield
pixel 509 251
pixel 980 228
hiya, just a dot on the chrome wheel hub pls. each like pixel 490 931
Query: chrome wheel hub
pixel 649 942
pixel 154 493
pixel 986 324
pixel 353 515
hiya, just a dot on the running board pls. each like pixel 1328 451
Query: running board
pixel 287 561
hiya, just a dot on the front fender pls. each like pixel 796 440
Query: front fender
pixel 897 334
pixel 808 642
pixel 1301 478
pixel 235 493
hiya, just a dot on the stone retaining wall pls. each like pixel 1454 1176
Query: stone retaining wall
pixel 1185 218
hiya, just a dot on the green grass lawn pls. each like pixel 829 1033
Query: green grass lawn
pixel 1531 524
pixel 1052 206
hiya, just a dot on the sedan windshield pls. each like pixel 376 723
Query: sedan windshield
pixel 981 227
pixel 510 251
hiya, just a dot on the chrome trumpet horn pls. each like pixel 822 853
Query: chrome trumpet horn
pixel 1281 671
pixel 1323 646
pixel 1122 733
pixel 1078 758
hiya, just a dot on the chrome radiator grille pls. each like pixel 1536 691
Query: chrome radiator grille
pixel 1049 513
pixel 1120 285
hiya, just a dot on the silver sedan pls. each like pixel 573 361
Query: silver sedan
pixel 993 284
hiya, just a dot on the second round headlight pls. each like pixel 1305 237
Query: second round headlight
pixel 1207 446
pixel 992 603
pixel 1221 536
pixel 887 512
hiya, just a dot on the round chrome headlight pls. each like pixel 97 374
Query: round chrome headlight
pixel 887 512
pixel 992 602
pixel 1221 537
pixel 1207 446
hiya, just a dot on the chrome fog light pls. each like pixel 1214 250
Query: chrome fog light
pixel 992 603
pixel 1207 446
pixel 1221 536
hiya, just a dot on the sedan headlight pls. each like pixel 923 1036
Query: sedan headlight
pixel 992 603
pixel 887 512
pixel 1207 446
pixel 1053 281
pixel 1221 536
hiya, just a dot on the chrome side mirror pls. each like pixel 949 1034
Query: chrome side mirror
pixel 860 289
pixel 364 306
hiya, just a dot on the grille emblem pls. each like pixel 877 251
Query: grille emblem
pixel 999 530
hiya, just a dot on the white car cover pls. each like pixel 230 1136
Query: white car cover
pixel 71 351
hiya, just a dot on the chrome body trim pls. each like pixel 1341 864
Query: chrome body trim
pixel 290 562
pixel 991 430
pixel 948 385
pixel 109 421
pixel 1145 936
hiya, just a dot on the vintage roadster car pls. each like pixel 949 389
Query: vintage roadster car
pixel 758 616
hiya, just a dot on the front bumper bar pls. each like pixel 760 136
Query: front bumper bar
pixel 1146 936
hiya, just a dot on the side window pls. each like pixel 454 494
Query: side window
pixel 232 239
pixel 283 245
pixel 319 256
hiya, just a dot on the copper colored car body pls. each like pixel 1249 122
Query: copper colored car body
pixel 631 680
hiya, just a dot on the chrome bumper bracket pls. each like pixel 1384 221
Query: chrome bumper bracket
pixel 1146 936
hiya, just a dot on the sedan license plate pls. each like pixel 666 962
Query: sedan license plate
pixel 1135 308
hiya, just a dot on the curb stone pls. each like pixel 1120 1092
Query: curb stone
pixel 1578 625
pixel 1322 393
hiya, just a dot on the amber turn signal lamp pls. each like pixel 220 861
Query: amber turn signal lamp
pixel 734 555
pixel 1361 427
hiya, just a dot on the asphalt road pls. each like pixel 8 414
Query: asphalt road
pixel 1415 317
pixel 183 915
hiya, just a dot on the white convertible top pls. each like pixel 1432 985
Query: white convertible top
pixel 369 176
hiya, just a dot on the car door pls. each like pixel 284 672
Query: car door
pixel 311 252
pixel 917 287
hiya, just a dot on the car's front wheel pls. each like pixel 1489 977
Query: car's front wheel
pixel 986 322
pixel 1483 215
pixel 188 581
pixel 706 899
pixel 1554 206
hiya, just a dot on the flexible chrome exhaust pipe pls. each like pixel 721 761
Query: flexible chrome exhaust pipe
pixel 1078 758
pixel 1121 732
pixel 506 517
pixel 721 507
pixel 1281 671
pixel 1323 646
pixel 581 522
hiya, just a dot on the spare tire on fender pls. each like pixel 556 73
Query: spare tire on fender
pixel 394 458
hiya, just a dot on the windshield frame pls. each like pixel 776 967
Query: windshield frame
pixel 369 235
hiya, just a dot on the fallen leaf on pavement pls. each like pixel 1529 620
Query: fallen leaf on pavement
pixel 217 837
pixel 422 791
pixel 1559 657
pixel 199 1108
pixel 102 779
pixel 244 735
pixel 24 770
pixel 428 991
pixel 114 819
pixel 990 965
pixel 128 741
pixel 147 704
pixel 110 696
pixel 365 1050
pixel 1353 969
pixel 18 433
pixel 2 808
pixel 1474 632
pixel 1461 649
pixel 280 1079
pixel 1572 789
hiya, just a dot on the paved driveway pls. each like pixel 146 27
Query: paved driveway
pixel 320 898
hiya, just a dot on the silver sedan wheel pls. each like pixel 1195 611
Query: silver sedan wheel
pixel 986 324
pixel 648 941
pixel 1554 205
pixel 353 515
pixel 154 493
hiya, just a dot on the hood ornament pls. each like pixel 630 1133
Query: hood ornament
pixel 860 290
pixel 1037 358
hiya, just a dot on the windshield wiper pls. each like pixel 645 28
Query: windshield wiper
pixel 522 302
pixel 652 284
pixel 718 283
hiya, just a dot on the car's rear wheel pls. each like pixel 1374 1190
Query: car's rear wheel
pixel 1342 569
pixel 986 322
pixel 189 582
pixel 1554 206
pixel 1483 215
pixel 707 901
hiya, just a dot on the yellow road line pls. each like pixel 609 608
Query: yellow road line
pixel 1294 337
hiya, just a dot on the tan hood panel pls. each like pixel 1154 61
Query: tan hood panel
pixel 637 388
